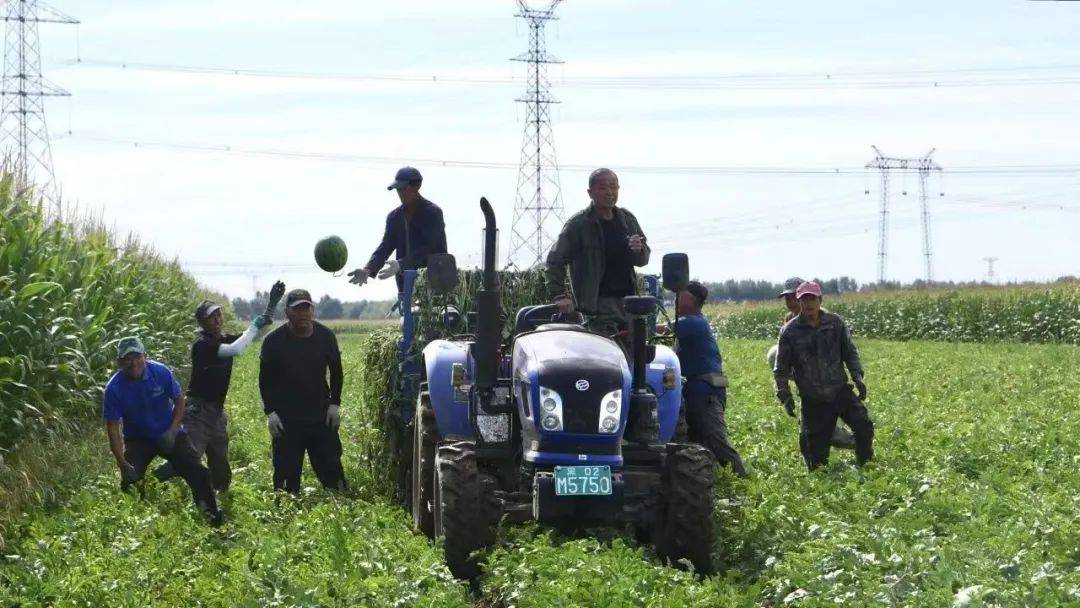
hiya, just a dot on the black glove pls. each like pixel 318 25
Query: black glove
pixel 276 292
pixel 167 442
pixel 128 475
pixel 788 402
pixel 860 386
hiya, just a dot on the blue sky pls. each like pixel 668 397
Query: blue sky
pixel 211 208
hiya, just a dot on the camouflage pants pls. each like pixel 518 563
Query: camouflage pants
pixel 206 425
pixel 841 437
pixel 608 319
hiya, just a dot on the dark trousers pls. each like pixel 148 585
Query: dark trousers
pixel 185 461
pixel 819 419
pixel 206 425
pixel 323 447
pixel 707 425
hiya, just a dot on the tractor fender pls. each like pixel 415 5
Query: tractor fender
pixel 669 401
pixel 452 417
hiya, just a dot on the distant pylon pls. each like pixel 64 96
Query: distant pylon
pixel 539 194
pixel 990 268
pixel 24 136
pixel 923 166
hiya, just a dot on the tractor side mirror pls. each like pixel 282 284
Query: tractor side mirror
pixel 442 273
pixel 676 268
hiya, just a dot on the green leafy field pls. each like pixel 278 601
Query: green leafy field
pixel 974 500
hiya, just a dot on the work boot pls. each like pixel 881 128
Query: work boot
pixel 843 438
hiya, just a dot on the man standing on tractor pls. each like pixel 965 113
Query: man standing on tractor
pixel 302 410
pixel 414 230
pixel 815 346
pixel 212 356
pixel 705 391
pixel 601 244
pixel 144 400
pixel 841 437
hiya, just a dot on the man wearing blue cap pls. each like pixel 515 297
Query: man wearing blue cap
pixel 143 399
pixel 414 231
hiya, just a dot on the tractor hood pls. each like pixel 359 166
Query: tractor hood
pixel 582 368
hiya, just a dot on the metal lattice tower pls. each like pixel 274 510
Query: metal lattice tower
pixel 922 166
pixel 990 268
pixel 539 194
pixel 24 136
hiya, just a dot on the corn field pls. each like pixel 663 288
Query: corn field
pixel 1047 314
pixel 68 292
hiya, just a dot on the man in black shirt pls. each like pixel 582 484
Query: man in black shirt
pixel 301 408
pixel 205 419
pixel 601 245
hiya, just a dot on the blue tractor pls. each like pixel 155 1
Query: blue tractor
pixel 558 425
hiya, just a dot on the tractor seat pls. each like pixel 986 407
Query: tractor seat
pixel 560 327
pixel 531 318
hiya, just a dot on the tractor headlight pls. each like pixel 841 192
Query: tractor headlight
pixel 551 410
pixel 611 413
pixel 609 424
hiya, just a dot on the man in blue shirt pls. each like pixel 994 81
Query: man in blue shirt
pixel 705 390
pixel 144 400
pixel 414 230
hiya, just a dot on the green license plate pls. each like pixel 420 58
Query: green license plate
pixel 583 481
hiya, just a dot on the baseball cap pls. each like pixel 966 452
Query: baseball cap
pixel 128 345
pixel 808 288
pixel 205 309
pixel 790 286
pixel 298 296
pixel 698 290
pixel 403 176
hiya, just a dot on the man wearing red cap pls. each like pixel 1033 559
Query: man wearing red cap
pixel 842 437
pixel 815 346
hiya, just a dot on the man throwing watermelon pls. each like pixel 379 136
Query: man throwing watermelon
pixel 414 231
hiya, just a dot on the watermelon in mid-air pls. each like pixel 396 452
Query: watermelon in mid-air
pixel 331 253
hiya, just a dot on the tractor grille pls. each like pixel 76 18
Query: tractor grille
pixel 581 409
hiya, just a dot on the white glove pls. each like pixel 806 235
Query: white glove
pixel 274 422
pixel 392 267
pixel 333 418
pixel 359 276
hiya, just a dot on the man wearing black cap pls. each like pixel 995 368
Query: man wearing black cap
pixel 302 409
pixel 211 370
pixel 413 230
pixel 842 437
pixel 705 391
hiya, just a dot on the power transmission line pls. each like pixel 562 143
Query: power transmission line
pixel 1030 170
pixel 1067 74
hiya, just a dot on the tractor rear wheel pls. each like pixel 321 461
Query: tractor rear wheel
pixel 685 529
pixel 425 435
pixel 461 518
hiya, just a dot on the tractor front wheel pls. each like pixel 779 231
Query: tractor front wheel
pixel 685 529
pixel 461 519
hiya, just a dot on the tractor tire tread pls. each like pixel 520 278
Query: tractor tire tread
pixel 686 531
pixel 465 528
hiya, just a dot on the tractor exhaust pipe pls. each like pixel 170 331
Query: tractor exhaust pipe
pixel 488 312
